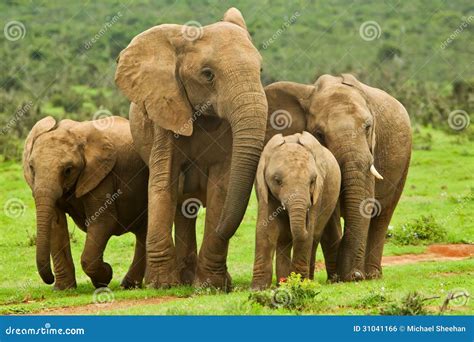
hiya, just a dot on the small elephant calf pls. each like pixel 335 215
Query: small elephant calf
pixel 90 171
pixel 298 183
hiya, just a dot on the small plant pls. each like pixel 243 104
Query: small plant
pixel 372 300
pixel 411 305
pixel 31 238
pixel 293 293
pixel 420 231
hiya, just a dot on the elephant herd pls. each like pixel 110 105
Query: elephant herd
pixel 203 128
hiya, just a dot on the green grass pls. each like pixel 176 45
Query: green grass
pixel 439 183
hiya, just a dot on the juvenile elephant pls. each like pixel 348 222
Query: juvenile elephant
pixel 369 133
pixel 198 113
pixel 90 171
pixel 298 183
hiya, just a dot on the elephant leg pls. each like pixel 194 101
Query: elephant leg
pixel 92 261
pixel 161 270
pixel 300 262
pixel 312 260
pixel 134 276
pixel 283 253
pixel 330 240
pixel 212 267
pixel 265 246
pixel 186 249
pixel 64 271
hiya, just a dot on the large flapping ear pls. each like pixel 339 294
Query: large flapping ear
pixel 99 155
pixel 288 105
pixel 260 183
pixel 44 125
pixel 316 150
pixel 146 74
pixel 234 16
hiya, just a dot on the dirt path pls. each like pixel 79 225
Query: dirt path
pixel 94 309
pixel 432 253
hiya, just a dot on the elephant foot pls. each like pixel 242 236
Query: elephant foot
pixel 130 283
pixel 355 275
pixel 259 285
pixel 332 278
pixel 60 285
pixel 187 273
pixel 156 280
pixel 373 273
pixel 219 281
pixel 104 278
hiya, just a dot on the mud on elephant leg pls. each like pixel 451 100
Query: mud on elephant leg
pixel 134 276
pixel 212 267
pixel 186 248
pixel 64 271
pixel 92 261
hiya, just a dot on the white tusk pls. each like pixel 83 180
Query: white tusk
pixel 374 171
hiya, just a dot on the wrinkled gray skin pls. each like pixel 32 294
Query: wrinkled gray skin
pixel 198 114
pixel 298 183
pixel 90 171
pixel 368 131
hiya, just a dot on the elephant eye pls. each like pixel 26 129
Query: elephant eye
pixel 32 170
pixel 313 180
pixel 278 181
pixel 208 74
pixel 67 171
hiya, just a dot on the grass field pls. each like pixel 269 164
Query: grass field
pixel 440 182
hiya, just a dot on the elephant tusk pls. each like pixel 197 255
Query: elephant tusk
pixel 374 171
pixel 283 206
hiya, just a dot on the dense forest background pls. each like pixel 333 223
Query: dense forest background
pixel 58 58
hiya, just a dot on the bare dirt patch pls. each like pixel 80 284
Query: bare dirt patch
pixel 448 252
pixel 95 309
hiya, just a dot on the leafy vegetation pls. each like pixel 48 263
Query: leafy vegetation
pixel 422 230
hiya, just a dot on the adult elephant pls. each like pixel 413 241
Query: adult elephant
pixel 368 131
pixel 198 115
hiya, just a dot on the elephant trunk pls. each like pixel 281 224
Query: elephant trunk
pixel 247 115
pixel 298 213
pixel 358 204
pixel 45 214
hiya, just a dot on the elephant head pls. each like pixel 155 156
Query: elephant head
pixel 290 173
pixel 62 159
pixel 342 115
pixel 174 73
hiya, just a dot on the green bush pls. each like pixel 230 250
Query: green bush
pixel 411 305
pixel 422 230
pixel 294 293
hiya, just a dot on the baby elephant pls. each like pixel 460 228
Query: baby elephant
pixel 90 171
pixel 298 183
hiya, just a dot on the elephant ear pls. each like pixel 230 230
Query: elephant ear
pixel 351 81
pixel 314 147
pixel 260 183
pixel 234 16
pixel 146 74
pixel 99 155
pixel 288 105
pixel 44 125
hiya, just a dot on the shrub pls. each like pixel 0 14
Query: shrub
pixel 420 231
pixel 372 300
pixel 411 305
pixel 293 293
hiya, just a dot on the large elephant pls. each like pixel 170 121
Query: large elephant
pixel 297 184
pixel 369 133
pixel 198 114
pixel 90 171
